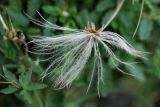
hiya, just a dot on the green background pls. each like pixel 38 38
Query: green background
pixel 119 90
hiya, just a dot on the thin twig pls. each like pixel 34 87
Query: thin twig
pixel 139 20
pixel 10 82
pixel 2 82
pixel 119 6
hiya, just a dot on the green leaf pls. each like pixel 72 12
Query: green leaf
pixel 35 86
pixel 112 63
pixel 145 29
pixel 107 16
pixel 73 11
pixel 33 5
pixel 49 9
pixel 83 18
pixel 15 5
pixel 21 69
pixel 25 78
pixel 11 53
pixel 9 90
pixel 11 66
pixel 9 75
pixel 104 4
pixel 127 20
pixel 33 30
pixel 137 71
pixel 26 95
pixel 18 18
pixel 54 99
pixel 35 66
pixel 78 100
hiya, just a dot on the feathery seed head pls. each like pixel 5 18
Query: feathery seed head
pixel 69 53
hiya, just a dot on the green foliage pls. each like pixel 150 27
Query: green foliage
pixel 32 6
pixel 137 71
pixel 20 73
pixel 145 29
pixel 51 10
pixel 9 76
pixel 9 90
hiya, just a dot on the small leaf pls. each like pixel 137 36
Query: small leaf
pixel 104 4
pixel 9 90
pixel 54 99
pixel 25 78
pixel 11 66
pixel 107 16
pixel 27 96
pixel 31 8
pixel 145 29
pixel 35 66
pixel 112 63
pixel 49 9
pixel 9 75
pixel 83 18
pixel 35 86
pixel 18 18
pixel 33 30
pixel 21 69
pixel 75 102
pixel 11 53
pixel 16 5
pixel 137 71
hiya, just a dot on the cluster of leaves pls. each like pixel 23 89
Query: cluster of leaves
pixel 19 74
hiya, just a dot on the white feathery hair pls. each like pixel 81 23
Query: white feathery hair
pixel 69 53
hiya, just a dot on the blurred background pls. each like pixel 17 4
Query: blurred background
pixel 20 71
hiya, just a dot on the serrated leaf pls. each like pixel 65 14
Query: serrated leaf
pixel 9 90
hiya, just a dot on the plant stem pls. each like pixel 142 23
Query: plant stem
pixel 139 20
pixel 3 23
pixel 1 82
pixel 119 6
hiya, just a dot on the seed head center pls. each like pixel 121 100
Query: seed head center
pixel 91 29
